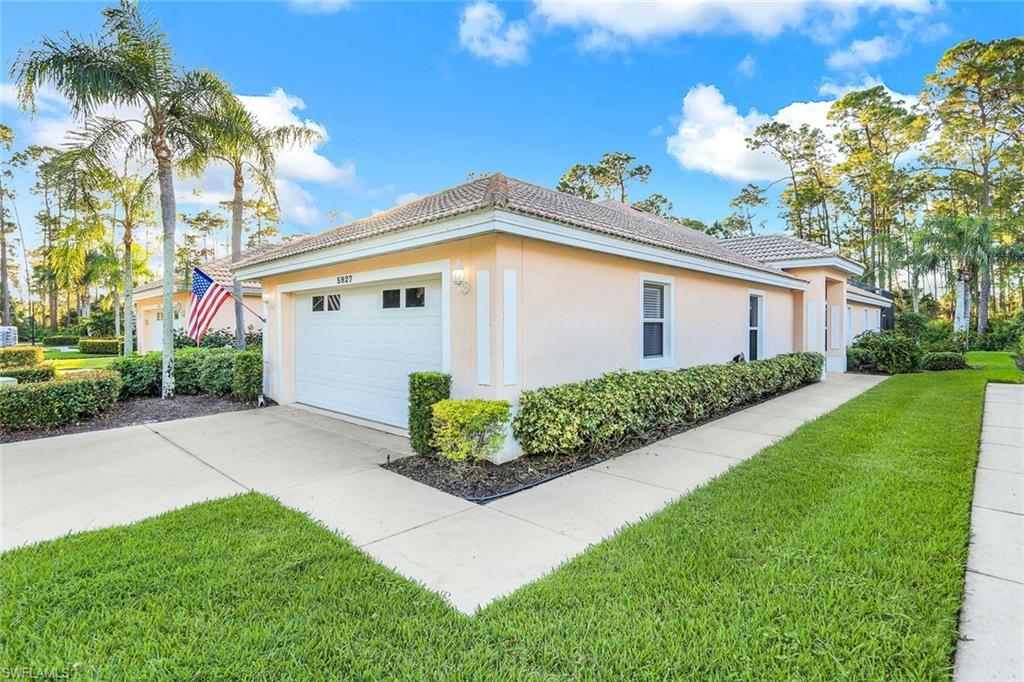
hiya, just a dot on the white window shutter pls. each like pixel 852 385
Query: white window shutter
pixel 811 327
pixel 836 322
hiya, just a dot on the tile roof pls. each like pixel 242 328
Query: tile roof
pixel 219 269
pixel 498 191
pixel 773 248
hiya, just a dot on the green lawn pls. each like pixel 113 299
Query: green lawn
pixel 72 359
pixel 838 553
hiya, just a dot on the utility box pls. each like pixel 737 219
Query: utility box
pixel 8 336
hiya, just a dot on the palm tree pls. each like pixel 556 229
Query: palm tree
pixel 243 144
pixel 131 65
pixel 964 242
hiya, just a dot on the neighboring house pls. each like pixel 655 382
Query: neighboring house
pixel 511 286
pixel 147 301
pixel 864 308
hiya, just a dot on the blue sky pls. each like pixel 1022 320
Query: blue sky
pixel 413 96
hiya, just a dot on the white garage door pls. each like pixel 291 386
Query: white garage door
pixel 355 348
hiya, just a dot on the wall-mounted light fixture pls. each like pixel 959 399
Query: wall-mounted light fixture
pixel 459 278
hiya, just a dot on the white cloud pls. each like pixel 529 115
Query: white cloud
pixel 406 198
pixel 317 6
pixel 747 66
pixel 670 18
pixel 484 32
pixel 862 53
pixel 711 136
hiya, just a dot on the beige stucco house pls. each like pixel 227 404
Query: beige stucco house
pixel 511 286
pixel 147 302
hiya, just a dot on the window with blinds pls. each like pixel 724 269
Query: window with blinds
pixel 654 320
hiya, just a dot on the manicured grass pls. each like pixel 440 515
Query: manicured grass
pixel 999 367
pixel 72 359
pixel 838 553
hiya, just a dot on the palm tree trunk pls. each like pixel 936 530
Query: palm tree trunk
pixel 117 314
pixel 3 270
pixel 165 175
pixel 962 313
pixel 236 255
pixel 129 313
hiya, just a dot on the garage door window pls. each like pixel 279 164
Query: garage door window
pixel 334 302
pixel 318 304
pixel 415 297
pixel 392 298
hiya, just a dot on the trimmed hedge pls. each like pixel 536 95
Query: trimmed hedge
pixel 65 400
pixel 890 352
pixel 623 408
pixel 30 375
pixel 20 356
pixel 99 346
pixel 425 389
pixel 247 375
pixel 140 374
pixel 469 429
pixel 214 371
pixel 933 362
pixel 61 340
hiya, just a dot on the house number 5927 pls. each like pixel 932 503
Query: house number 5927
pixel 344 279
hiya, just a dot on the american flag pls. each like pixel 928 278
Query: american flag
pixel 207 298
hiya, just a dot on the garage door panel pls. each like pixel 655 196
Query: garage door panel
pixel 357 360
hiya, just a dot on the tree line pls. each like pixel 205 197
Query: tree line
pixel 928 195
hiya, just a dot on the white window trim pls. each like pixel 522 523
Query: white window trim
pixel 668 322
pixel 760 323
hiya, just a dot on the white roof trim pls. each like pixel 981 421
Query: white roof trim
pixel 837 262
pixel 495 220
pixel 863 296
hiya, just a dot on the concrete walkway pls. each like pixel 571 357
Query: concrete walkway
pixel 329 469
pixel 991 643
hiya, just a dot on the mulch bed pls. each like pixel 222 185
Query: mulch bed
pixel 138 411
pixel 483 482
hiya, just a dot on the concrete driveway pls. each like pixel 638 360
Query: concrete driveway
pixel 329 469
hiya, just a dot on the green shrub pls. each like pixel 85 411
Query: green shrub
pixel 633 407
pixel 187 364
pixel 218 338
pixel 20 356
pixel 941 361
pixel 859 360
pixel 891 353
pixel 1001 335
pixel 937 336
pixel 64 400
pixel 30 375
pixel 99 346
pixel 247 375
pixel 425 389
pixel 911 324
pixel 1020 346
pixel 61 340
pixel 469 429
pixel 216 371
pixel 140 374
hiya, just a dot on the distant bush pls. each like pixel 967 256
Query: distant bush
pixel 425 389
pixel 218 338
pixel 469 429
pixel 933 362
pixel 621 408
pixel 911 324
pixel 859 360
pixel 64 400
pixel 20 356
pixel 30 375
pixel 1001 335
pixel 61 340
pixel 890 353
pixel 99 346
